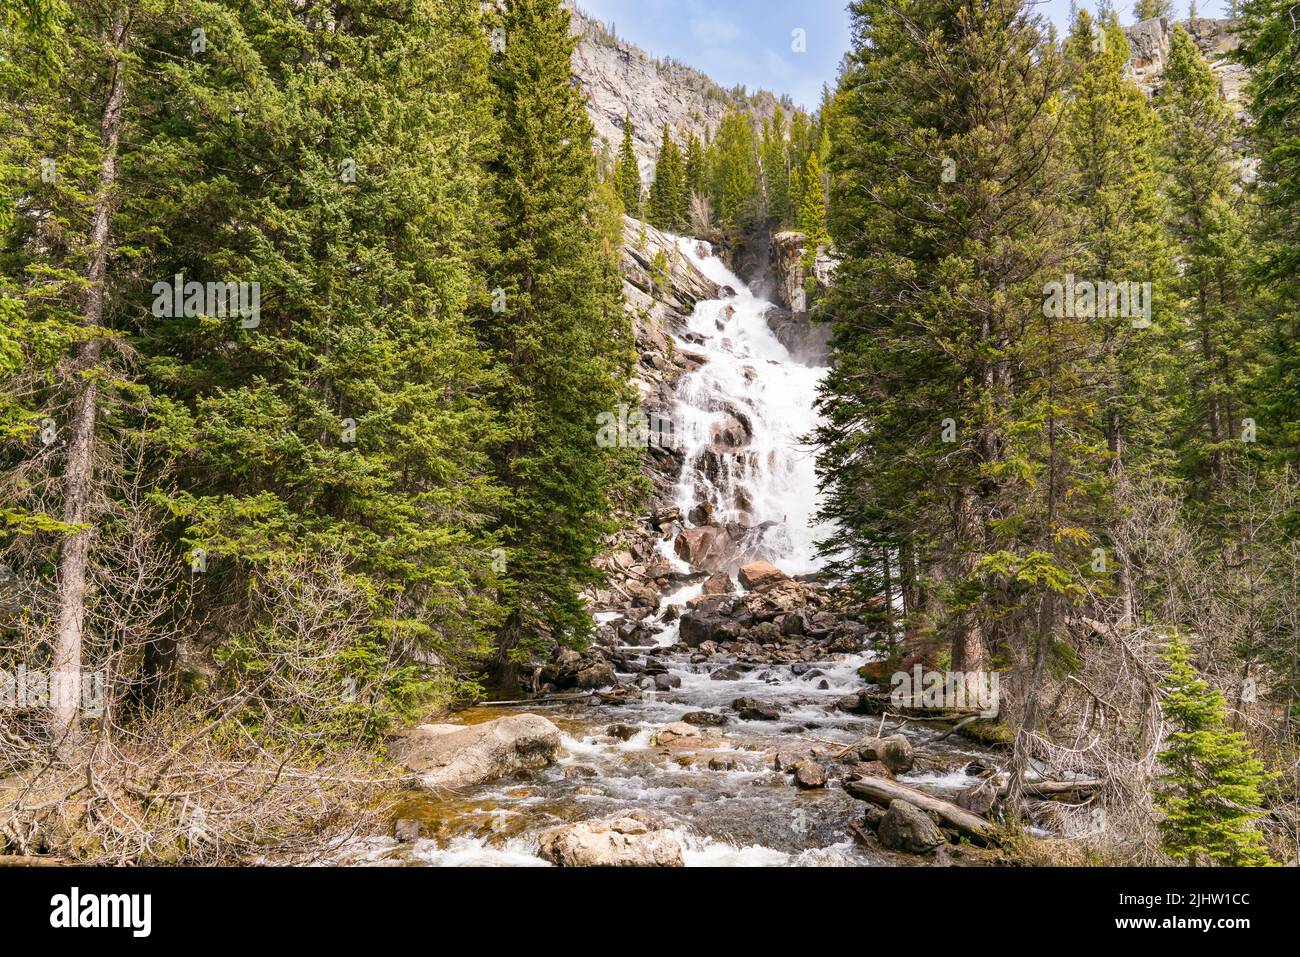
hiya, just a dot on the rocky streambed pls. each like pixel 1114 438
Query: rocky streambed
pixel 720 716
pixel 732 752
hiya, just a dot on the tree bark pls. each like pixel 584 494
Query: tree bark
pixel 74 557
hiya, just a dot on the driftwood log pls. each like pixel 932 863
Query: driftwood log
pixel 881 791
pixel 1051 789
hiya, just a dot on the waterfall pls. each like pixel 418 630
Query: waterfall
pixel 741 417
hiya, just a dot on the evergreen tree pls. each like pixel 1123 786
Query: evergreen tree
pixel 812 214
pixel 1113 137
pixel 1210 791
pixel 1209 228
pixel 627 175
pixel 562 337
pixel 696 169
pixel 1149 9
pixel 668 198
pixel 776 168
pixel 734 174
pixel 349 419
pixel 957 409
pixel 1270 48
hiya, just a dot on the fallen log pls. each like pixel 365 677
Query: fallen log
pixel 1049 789
pixel 881 791
pixel 543 699
pixel 29 860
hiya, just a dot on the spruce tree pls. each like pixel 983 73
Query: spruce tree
pixel 776 168
pixel 1270 48
pixel 695 169
pixel 812 213
pixel 1208 224
pixel 562 337
pixel 1113 137
pixel 733 173
pixel 1149 9
pixel 668 200
pixel 1210 788
pixel 338 167
pixel 627 175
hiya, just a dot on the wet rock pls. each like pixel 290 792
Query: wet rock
pixel 667 681
pixel 791 623
pixel 759 576
pixel 623 732
pixel 858 770
pixel 861 702
pixel 765 633
pixel 698 627
pixel 705 719
pixel 809 774
pixel 905 827
pixel 580 771
pixel 719 583
pixel 666 516
pixel 701 514
pixel 848 638
pixel 406 830
pixel 707 547
pixel 722 764
pixel 729 673
pixel 978 798
pixel 776 600
pixel 679 734
pixel 584 672
pixel 452 756
pixel 789 760
pixel 894 752
pixel 751 709
pixel 635 839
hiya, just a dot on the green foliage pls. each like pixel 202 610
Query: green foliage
pixel 1270 48
pixel 1210 791
pixel 1149 9
pixel 627 175
pixel 563 338
pixel 669 198
pixel 1209 227
pixel 956 418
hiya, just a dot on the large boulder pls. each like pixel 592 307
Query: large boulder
pixel 678 735
pixel 451 756
pixel 809 775
pixel 582 671
pixel 760 576
pixel 705 547
pixel 893 751
pixel 719 583
pixel 636 839
pixel 751 709
pixel 907 828
pixel 697 627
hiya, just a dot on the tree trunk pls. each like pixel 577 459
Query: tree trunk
pixel 74 557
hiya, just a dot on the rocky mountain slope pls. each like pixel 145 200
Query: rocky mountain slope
pixel 621 79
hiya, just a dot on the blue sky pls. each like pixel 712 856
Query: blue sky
pixel 750 41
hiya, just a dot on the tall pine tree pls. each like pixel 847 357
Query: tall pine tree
pixel 561 336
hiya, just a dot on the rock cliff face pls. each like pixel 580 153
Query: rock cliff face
pixel 807 340
pixel 1149 43
pixel 660 288
pixel 622 79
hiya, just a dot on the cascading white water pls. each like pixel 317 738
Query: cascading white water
pixel 762 473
